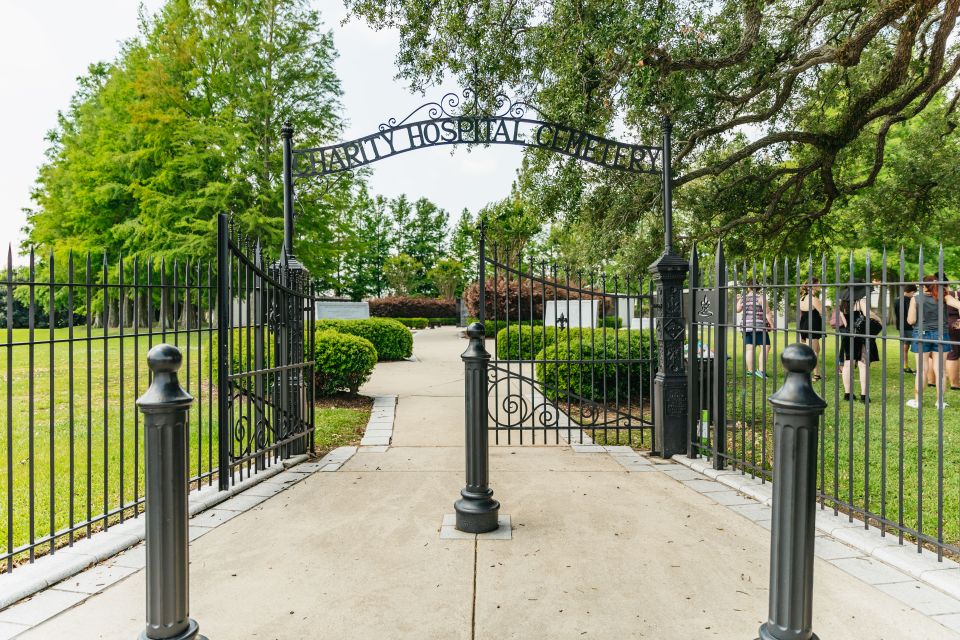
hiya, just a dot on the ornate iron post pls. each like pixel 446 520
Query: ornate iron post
pixel 476 509
pixel 224 301
pixel 796 419
pixel 670 402
pixel 288 319
pixel 165 406
pixel 286 134
pixel 719 391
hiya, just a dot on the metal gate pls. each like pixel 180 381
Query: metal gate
pixel 573 356
pixel 265 348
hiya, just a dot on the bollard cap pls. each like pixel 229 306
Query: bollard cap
pixel 164 358
pixel 798 358
pixel 164 393
pixel 797 393
pixel 476 350
pixel 475 331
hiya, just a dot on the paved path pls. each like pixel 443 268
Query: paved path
pixel 597 551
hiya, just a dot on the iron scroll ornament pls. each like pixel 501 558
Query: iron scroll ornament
pixel 444 123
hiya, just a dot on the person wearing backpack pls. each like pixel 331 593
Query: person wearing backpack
pixel 859 346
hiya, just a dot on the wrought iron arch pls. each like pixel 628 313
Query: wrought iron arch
pixel 459 121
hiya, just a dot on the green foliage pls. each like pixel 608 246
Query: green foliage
pixel 443 322
pixel 590 364
pixel 510 225
pixel 798 124
pixel 343 362
pixel 364 244
pixel 419 232
pixel 491 327
pixel 413 323
pixel 522 341
pixel 463 243
pixel 402 274
pixel 392 340
pixel 185 125
pixel 447 278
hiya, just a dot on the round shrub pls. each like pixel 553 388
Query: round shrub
pixel 619 362
pixel 392 340
pixel 519 341
pixel 413 323
pixel 343 362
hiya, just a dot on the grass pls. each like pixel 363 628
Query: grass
pixel 86 446
pixel 870 464
pixel 906 472
pixel 339 427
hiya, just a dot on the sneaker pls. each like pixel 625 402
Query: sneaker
pixel 760 374
pixel 942 405
pixel 913 403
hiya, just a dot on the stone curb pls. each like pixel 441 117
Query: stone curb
pixel 67 562
pixel 121 553
pixel 379 431
pixel 918 580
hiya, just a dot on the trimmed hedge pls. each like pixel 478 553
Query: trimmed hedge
pixel 492 328
pixel 523 340
pixel 586 367
pixel 392 340
pixel 443 322
pixel 412 307
pixel 412 323
pixel 343 362
pixel 520 341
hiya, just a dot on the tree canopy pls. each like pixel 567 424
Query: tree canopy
pixel 184 125
pixel 785 112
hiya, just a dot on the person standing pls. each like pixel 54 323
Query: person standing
pixel 810 323
pixel 756 321
pixel 928 315
pixel 900 308
pixel 858 348
pixel 953 356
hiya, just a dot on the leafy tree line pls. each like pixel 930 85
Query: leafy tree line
pixel 185 125
pixel 401 247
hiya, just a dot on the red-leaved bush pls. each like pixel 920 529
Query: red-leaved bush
pixel 410 307
pixel 512 299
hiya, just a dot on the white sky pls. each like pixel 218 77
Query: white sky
pixel 46 44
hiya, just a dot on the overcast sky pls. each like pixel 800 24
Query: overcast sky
pixel 46 44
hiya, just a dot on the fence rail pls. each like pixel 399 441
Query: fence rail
pixel 73 363
pixel 573 353
pixel 886 457
pixel 77 331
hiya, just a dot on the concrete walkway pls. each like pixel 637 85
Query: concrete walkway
pixel 597 551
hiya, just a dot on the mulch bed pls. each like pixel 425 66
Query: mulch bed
pixel 345 401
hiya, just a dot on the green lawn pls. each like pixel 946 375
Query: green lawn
pixel 105 446
pixel 856 467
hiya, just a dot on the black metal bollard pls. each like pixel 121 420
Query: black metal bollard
pixel 165 405
pixel 476 509
pixel 796 420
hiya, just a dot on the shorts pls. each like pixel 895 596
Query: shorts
pixel 756 337
pixel 926 342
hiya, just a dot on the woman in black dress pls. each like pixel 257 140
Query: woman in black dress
pixel 863 344
pixel 810 323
